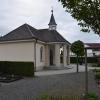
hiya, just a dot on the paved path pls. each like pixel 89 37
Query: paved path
pixel 31 88
pixel 69 69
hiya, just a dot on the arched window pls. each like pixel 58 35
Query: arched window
pixel 41 54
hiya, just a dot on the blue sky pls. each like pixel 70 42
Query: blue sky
pixel 14 13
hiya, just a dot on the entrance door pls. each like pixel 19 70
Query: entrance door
pixel 51 57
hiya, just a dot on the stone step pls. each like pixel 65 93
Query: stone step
pixel 56 68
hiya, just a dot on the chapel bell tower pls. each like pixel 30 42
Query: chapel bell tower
pixel 52 24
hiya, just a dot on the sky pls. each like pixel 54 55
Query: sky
pixel 37 13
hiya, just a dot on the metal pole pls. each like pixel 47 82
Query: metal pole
pixel 35 55
pixel 77 63
pixel 86 76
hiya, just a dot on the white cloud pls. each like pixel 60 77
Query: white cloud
pixel 37 13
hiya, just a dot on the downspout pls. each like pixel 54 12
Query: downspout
pixel 35 55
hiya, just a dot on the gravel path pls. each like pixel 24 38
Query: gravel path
pixel 31 88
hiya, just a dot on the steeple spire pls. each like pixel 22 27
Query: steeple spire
pixel 52 24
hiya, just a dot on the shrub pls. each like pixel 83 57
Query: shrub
pixel 17 68
pixel 97 75
pixel 89 59
pixel 95 65
pixel 98 61
pixel 92 96
pixel 96 70
pixel 73 60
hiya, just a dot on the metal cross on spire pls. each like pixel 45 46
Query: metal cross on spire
pixel 52 10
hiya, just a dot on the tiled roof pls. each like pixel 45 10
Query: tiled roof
pixel 52 20
pixel 50 36
pixel 20 33
pixel 28 32
pixel 93 45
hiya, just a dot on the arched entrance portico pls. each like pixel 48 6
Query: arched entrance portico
pixel 57 54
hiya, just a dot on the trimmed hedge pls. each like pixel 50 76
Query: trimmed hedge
pixel 89 60
pixel 97 75
pixel 92 96
pixel 17 68
pixel 73 60
pixel 98 61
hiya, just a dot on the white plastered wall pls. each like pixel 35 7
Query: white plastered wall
pixel 40 64
pixel 22 51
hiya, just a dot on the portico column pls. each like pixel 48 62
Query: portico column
pixel 47 55
pixel 57 54
pixel 64 55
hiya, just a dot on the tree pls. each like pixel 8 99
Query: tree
pixel 78 48
pixel 86 12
